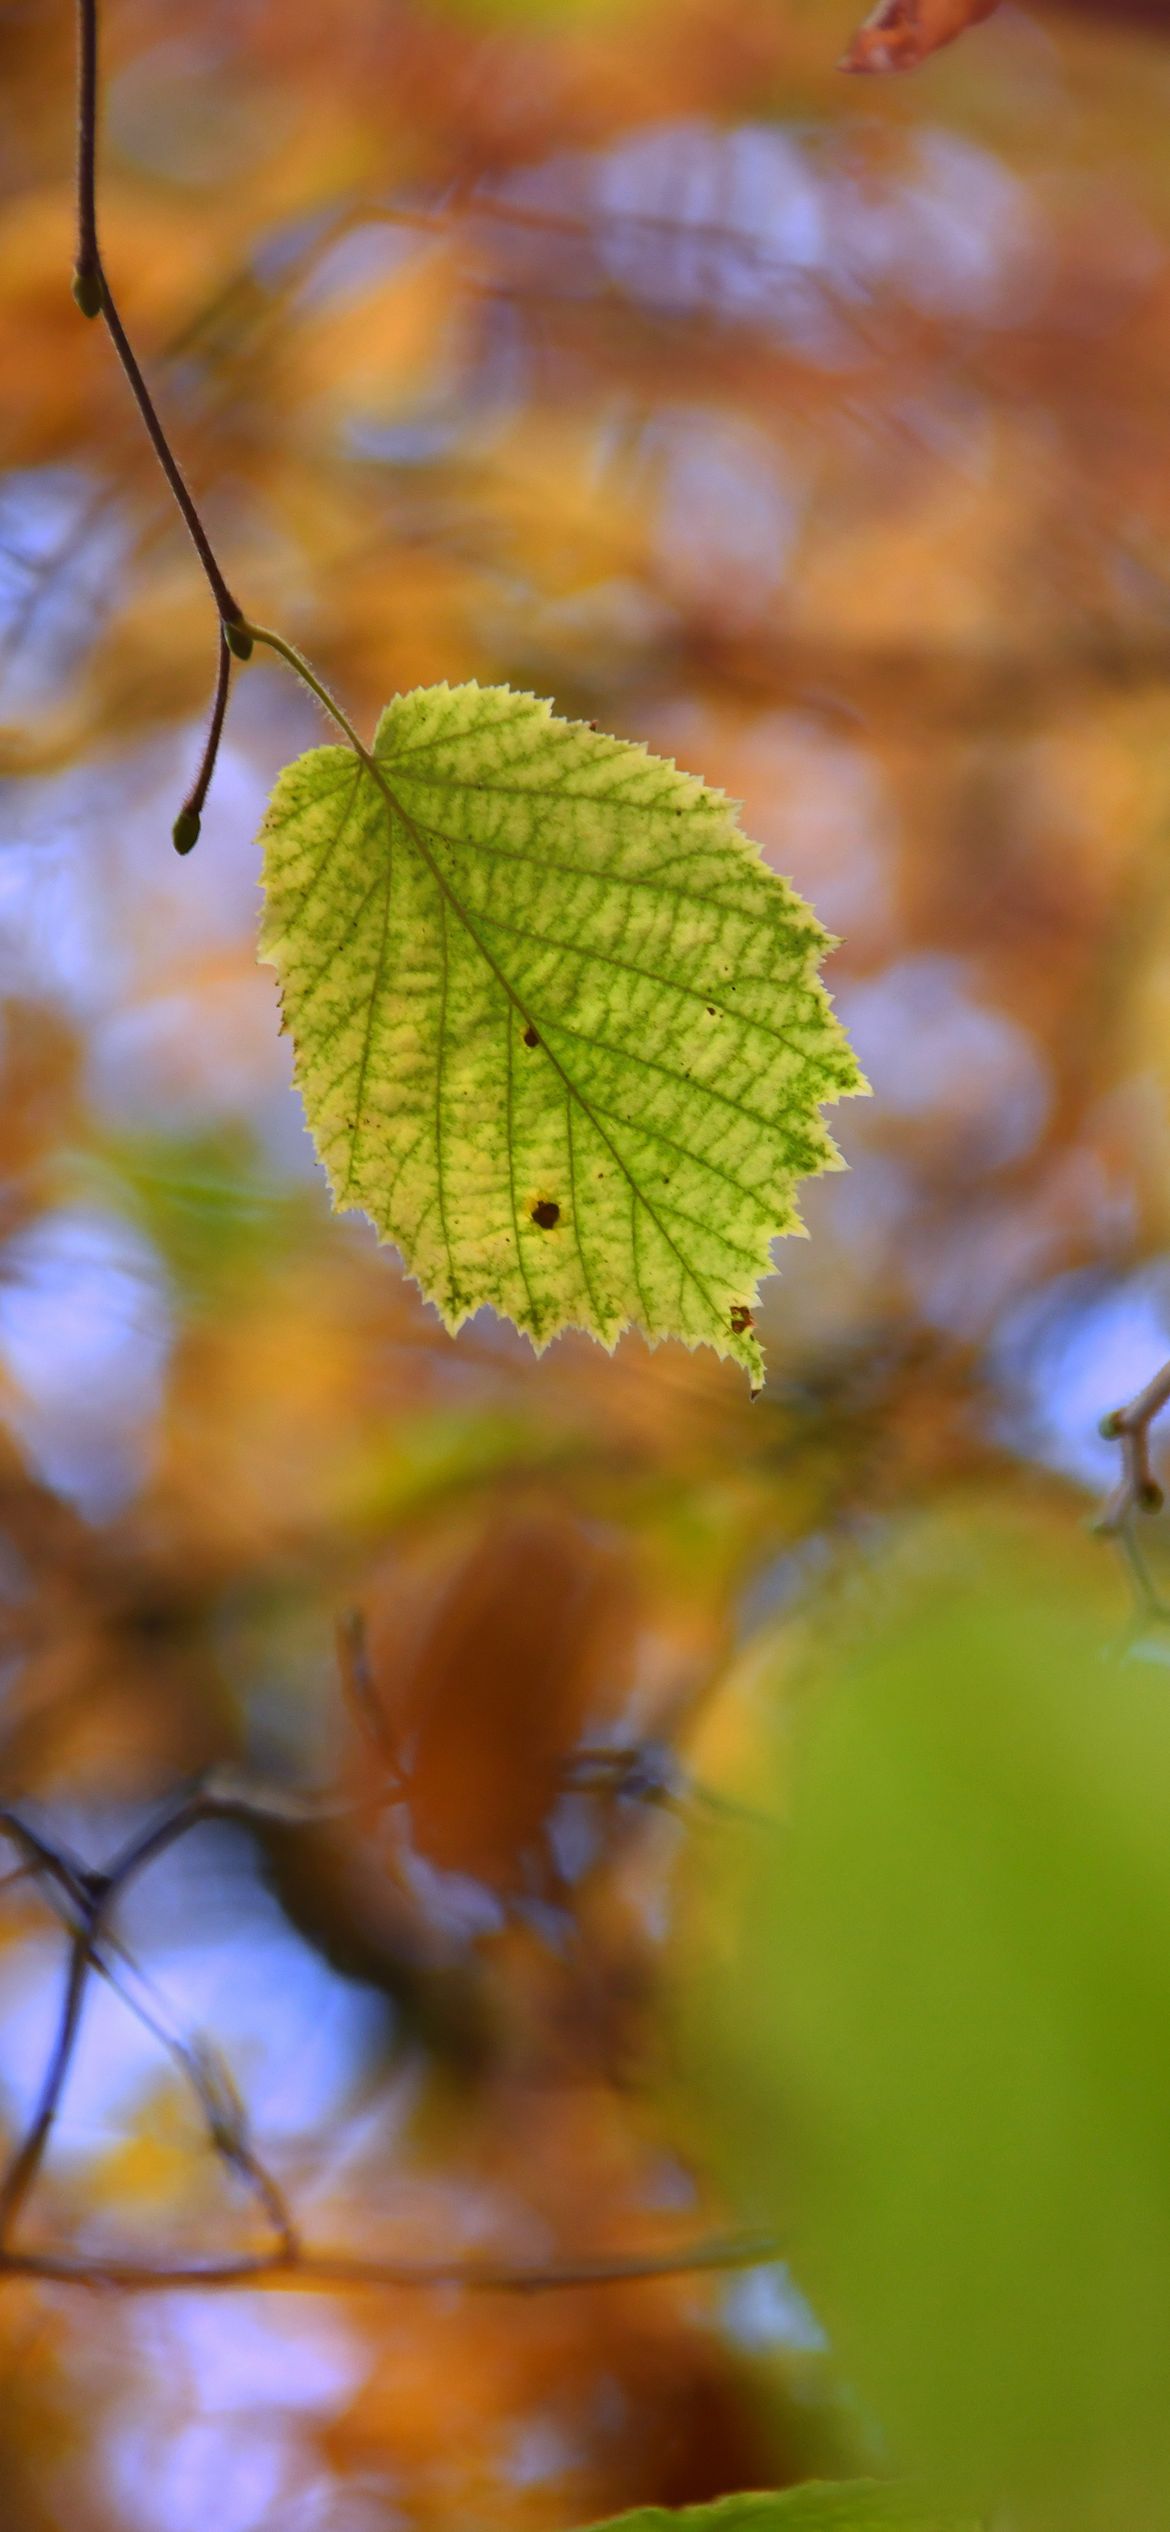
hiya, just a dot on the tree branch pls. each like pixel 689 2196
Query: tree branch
pixel 338 2268
pixel 27 2160
pixel 91 289
pixel 185 831
pixel 94 297
pixel 1137 1489
pixel 85 1901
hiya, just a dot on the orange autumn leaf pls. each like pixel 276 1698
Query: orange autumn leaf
pixel 899 34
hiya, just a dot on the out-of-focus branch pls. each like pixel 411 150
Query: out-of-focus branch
pixel 85 1901
pixel 1137 1489
pixel 894 687
pixel 357 1683
pixel 223 2112
pixel 338 2268
pixel 901 685
pixel 26 2161
pixel 1153 14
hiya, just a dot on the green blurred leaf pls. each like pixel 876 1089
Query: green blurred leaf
pixel 850 2505
pixel 207 1202
pixel 558 1027
pixel 939 2045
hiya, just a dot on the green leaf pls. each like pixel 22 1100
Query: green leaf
pixel 558 1028
pixel 932 2028
pixel 849 2505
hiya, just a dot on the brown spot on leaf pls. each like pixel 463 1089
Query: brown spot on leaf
pixel 530 1036
pixel 546 1214
pixel 741 1319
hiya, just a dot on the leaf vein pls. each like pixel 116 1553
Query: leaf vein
pixel 646 975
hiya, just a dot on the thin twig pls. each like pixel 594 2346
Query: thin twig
pixel 89 265
pixel 1137 1490
pixel 222 2111
pixel 338 2268
pixel 94 297
pixel 85 1900
pixel 53 1863
pixel 358 1687
pixel 185 832
pixel 91 289
pixel 27 2160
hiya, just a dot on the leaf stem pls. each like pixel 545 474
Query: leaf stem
pixel 295 660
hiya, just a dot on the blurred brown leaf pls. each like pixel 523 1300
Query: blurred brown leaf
pixel 486 1673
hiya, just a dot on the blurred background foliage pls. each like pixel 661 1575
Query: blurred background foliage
pixel 816 433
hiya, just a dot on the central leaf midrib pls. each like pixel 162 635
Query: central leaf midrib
pixel 375 994
pixel 397 809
